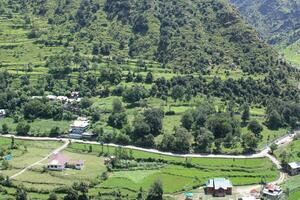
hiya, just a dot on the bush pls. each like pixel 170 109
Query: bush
pixel 171 112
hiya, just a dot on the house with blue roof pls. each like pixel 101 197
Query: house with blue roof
pixel 218 187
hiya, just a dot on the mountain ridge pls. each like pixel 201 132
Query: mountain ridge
pixel 187 36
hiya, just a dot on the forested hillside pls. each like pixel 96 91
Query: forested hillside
pixel 276 20
pixel 187 35
pixel 147 73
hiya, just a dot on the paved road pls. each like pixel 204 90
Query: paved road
pixel 65 145
pixel 263 153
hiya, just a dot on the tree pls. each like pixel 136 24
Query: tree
pixel 12 143
pixel 53 196
pixel 22 128
pixel 117 106
pixel 255 127
pixel 140 24
pixel 274 120
pixel 167 143
pixel 204 140
pixel 285 157
pixel 85 103
pixel 140 194
pixel 273 147
pixel 135 94
pixel 55 131
pixel 153 117
pixel 246 113
pixel 156 191
pixel 71 194
pixel 5 128
pixel 149 78
pixel 117 120
pixel 177 92
pixel 21 194
pixel 183 140
pixel 140 127
pixel 187 120
pixel 221 124
pixel 249 142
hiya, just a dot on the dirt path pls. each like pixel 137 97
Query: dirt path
pixel 65 145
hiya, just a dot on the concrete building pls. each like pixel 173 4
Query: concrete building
pixel 79 127
pixel 218 187
pixel 271 192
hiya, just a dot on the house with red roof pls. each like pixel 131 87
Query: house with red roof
pixel 272 192
pixel 59 162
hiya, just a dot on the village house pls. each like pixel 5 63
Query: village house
pixel 2 113
pixel 60 162
pixel 79 127
pixel 293 168
pixel 218 187
pixel 271 192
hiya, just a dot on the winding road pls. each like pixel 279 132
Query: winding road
pixel 263 153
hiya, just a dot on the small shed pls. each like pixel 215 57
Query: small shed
pixel 293 168
pixel 2 113
pixel 189 196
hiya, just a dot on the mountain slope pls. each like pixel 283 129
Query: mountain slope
pixel 277 20
pixel 186 35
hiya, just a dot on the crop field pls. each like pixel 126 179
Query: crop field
pixel 240 171
pixel 175 176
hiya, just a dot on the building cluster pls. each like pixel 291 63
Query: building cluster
pixel 220 187
pixel 60 162
pixel 74 97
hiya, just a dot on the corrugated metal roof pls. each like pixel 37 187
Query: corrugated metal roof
pixel 222 183
pixel 218 183
pixel 294 165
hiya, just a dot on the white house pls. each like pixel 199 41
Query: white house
pixel 272 192
pixel 60 162
pixel 79 127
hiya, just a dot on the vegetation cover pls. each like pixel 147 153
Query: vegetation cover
pixel 277 21
pixel 177 75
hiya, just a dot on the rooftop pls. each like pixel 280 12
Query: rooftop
pixel 294 165
pixel 218 183
pixel 272 190
pixel 80 123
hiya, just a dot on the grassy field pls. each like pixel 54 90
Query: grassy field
pixel 292 53
pixel 293 148
pixel 240 171
pixel 175 177
pixel 39 127
pixel 293 186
